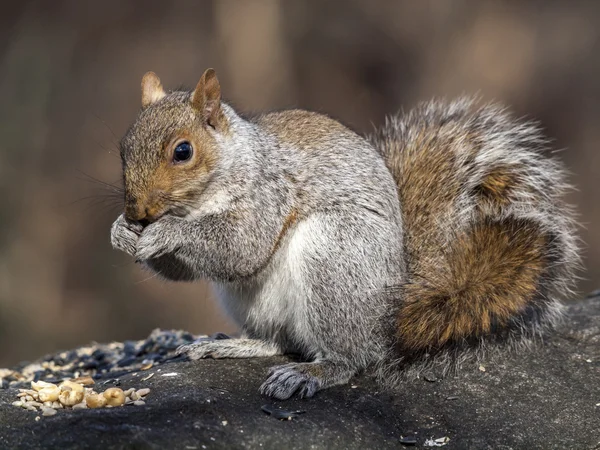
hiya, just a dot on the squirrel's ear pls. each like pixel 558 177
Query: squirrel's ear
pixel 207 97
pixel 152 90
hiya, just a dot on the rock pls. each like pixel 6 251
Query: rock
pixel 541 399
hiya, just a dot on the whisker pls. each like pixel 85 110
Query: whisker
pixel 146 279
pixel 105 184
pixel 114 153
pixel 107 126
pixel 108 199
pixel 107 196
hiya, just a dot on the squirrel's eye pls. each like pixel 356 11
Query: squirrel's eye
pixel 182 152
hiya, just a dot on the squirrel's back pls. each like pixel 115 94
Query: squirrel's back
pixel 489 244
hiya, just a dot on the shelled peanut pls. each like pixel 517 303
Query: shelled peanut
pixel 75 394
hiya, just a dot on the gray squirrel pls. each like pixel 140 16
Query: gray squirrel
pixel 444 230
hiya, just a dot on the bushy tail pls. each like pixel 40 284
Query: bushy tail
pixel 490 246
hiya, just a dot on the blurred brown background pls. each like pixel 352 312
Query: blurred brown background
pixel 69 88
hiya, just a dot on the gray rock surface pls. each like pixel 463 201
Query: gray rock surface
pixel 547 398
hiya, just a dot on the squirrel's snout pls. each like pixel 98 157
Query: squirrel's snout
pixel 142 214
pixel 135 211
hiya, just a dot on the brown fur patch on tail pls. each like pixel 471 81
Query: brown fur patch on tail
pixel 494 191
pixel 485 277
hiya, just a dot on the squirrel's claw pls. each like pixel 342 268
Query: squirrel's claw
pixel 285 381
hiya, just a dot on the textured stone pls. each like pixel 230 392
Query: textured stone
pixel 545 398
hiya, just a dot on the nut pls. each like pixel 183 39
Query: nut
pixel 34 403
pixel 70 397
pixel 128 392
pixel 36 386
pixel 95 401
pixel 142 392
pixel 69 385
pixel 85 381
pixel 49 394
pixel 48 411
pixel 82 405
pixel 139 403
pixel 114 396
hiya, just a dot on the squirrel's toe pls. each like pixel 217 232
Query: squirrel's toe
pixel 285 381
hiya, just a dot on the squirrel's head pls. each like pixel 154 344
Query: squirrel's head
pixel 170 151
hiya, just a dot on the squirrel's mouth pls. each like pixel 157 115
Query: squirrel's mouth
pixel 144 222
pixel 175 211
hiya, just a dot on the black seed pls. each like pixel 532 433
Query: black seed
pixel 38 375
pixel 60 374
pixel 593 294
pixel 176 358
pixel 87 365
pixel 430 377
pixel 153 357
pixel 146 347
pixel 219 336
pixel 129 348
pixel 127 361
pixel 187 337
pixel 411 439
pixel 98 354
pixel 280 414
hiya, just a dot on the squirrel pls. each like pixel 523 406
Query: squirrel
pixel 444 230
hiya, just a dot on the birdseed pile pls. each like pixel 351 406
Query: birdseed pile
pixel 99 361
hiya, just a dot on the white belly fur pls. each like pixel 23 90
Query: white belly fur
pixel 275 301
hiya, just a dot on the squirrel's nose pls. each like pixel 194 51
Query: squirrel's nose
pixel 145 215
pixel 133 208
pixel 135 214
pixel 147 209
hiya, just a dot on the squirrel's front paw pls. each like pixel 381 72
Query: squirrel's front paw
pixel 124 235
pixel 228 348
pixel 204 349
pixel 154 242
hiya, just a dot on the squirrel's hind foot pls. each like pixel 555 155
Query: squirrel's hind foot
pixel 305 379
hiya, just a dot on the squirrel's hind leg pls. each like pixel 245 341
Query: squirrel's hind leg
pixel 304 378
pixel 229 348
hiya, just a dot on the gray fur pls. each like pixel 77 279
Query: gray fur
pixel 320 289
